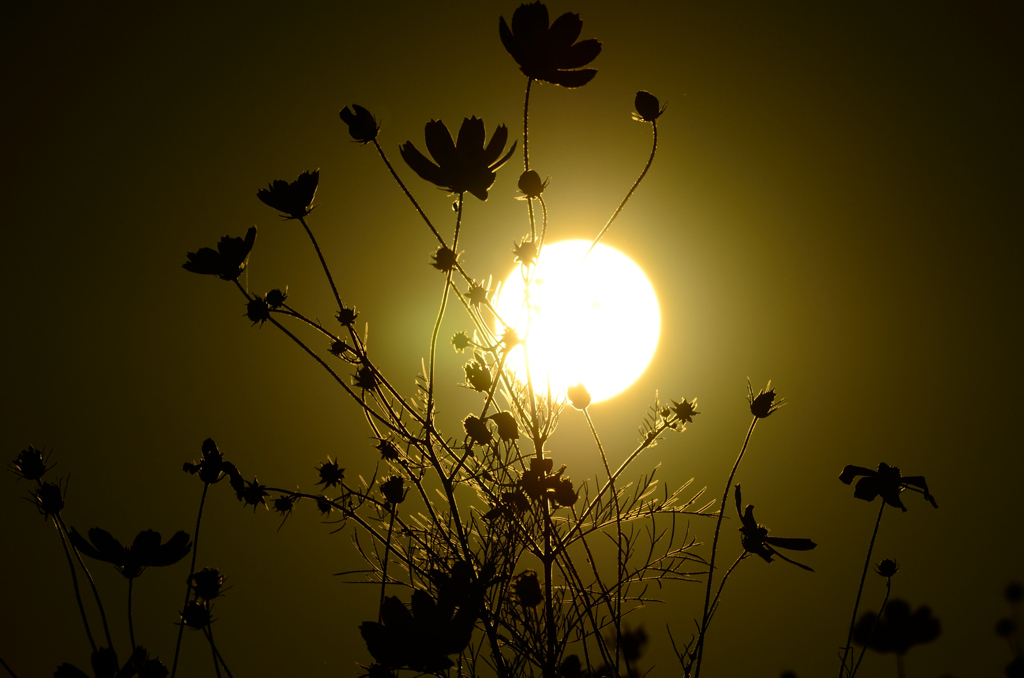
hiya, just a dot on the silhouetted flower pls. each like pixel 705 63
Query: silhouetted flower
pixel 461 166
pixel 477 430
pixel 531 185
pixel 477 375
pixel 346 316
pixel 476 295
pixel 330 474
pixel 460 341
pixel 897 630
pixel 284 504
pixel 361 124
pixel 393 490
pixel 132 560
pixel 633 642
pixel 257 311
pixel 365 378
pixel 764 402
pixel 533 480
pixel 323 505
pixel 527 589
pixel 211 468
pixel 684 411
pixel 1014 592
pixel 388 450
pixel 755 537
pixel 525 251
pixel 563 494
pixel 207 583
pixel 50 499
pixel 29 464
pixel 570 667
pixel 548 53
pixel 196 614
pixel 578 396
pixel 508 429
pixel 887 482
pixel 226 262
pixel 275 298
pixel 293 200
pixel 251 493
pixel 444 259
pixel 105 665
pixel 887 568
pixel 648 108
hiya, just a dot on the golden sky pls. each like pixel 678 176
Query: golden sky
pixel 835 205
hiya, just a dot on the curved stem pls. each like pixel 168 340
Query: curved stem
pixel 384 565
pixel 654 147
pixel 437 328
pixel 213 650
pixel 323 262
pixel 74 581
pixel 131 623
pixel 860 590
pixel 718 594
pixel 714 548
pixel 885 600
pixel 7 668
pixel 526 118
pixel 408 194
pixel 191 571
pixel 92 584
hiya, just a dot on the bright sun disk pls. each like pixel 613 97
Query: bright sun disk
pixel 594 320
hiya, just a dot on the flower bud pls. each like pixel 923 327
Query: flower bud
pixel 393 490
pixel 257 311
pixel 648 108
pixel 531 185
pixel 527 589
pixel 361 124
pixel 579 396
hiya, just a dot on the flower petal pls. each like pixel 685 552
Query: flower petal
pixel 794 544
pixel 867 488
pixel 570 79
pixel 580 54
pixel 564 31
pixel 109 548
pixel 471 139
pixel 420 165
pixel 439 142
pixel 851 472
pixel 496 145
pixel 529 22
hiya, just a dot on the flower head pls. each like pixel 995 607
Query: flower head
pixel 388 450
pixel 226 262
pixel 361 124
pixel 579 396
pixel 764 403
pixel 196 614
pixel 755 537
pixel 531 185
pixel 50 498
pixel 477 430
pixel 393 490
pixel 460 340
pixel 275 298
pixel 212 468
pixel 476 295
pixel 251 493
pixel 508 429
pixel 648 108
pixel 445 259
pixel 131 561
pixel 257 311
pixel 478 376
pixel 294 200
pixel 887 568
pixel 29 464
pixel 527 588
pixel 898 629
pixel 207 583
pixel 460 166
pixel 330 474
pixel 546 52
pixel 683 410
pixel 346 316
pixel 105 665
pixel 887 482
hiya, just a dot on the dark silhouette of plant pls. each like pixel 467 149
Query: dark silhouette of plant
pixel 1009 629
pixel 227 262
pixel 546 52
pixel 897 629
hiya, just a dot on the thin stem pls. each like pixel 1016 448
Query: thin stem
pixel 7 668
pixel 549 604
pixel 860 590
pixel 619 564
pixel 654 147
pixel 191 571
pixel 901 670
pixel 92 584
pixel 209 635
pixel 323 262
pixel 437 326
pixel 213 650
pixel 885 600
pixel 408 194
pixel 384 566
pixel 74 581
pixel 131 624
pixel 718 594
pixel 526 118
pixel 714 548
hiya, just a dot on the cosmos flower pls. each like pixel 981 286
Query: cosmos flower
pixel 105 665
pixel 887 482
pixel 211 468
pixel 465 165
pixel 226 262
pixel 146 551
pixel 897 630
pixel 546 52
pixel 361 124
pixel 293 199
pixel 755 537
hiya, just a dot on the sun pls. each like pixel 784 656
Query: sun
pixel 593 320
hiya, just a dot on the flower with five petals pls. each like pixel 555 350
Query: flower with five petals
pixel 546 52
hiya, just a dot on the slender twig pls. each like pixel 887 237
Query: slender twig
pixel 718 594
pixel 213 650
pixel 714 549
pixel 7 668
pixel 526 127
pixel 131 624
pixel 92 584
pixel 437 326
pixel 860 590
pixel 74 581
pixel 191 571
pixel 323 262
pixel 654 148
pixel 885 600
pixel 384 565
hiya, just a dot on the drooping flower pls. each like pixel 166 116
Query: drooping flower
pixel 887 482
pixel 477 430
pixel 648 108
pixel 898 629
pixel 755 537
pixel 196 614
pixel 132 560
pixel 546 52
pixel 226 262
pixel 361 124
pixel 388 450
pixel 460 166
pixel 293 200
